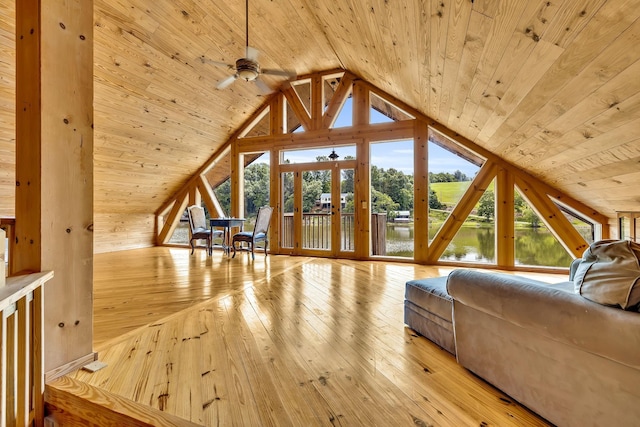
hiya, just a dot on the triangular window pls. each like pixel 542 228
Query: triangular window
pixel 345 115
pixel 475 241
pixel 330 84
pixel 261 126
pixel 292 122
pixel 535 244
pixel 450 174
pixel 384 111
pixel 585 227
pixel 302 88
pixel 180 234
pixel 257 174
pixel 223 194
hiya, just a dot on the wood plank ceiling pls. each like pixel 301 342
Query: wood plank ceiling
pixel 552 86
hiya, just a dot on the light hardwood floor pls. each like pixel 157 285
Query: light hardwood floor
pixel 279 341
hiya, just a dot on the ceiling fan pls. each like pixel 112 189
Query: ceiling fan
pixel 248 68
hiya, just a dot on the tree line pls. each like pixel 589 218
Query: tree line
pixel 391 189
pixel 523 212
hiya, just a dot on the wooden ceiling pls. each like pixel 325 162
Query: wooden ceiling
pixel 552 86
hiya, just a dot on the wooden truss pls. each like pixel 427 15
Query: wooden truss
pixel 313 102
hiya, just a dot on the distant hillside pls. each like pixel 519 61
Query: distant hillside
pixel 450 193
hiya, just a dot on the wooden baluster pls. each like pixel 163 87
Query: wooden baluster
pixel 37 354
pixel 23 373
pixel 9 354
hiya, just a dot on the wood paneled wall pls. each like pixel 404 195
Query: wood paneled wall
pixel 119 231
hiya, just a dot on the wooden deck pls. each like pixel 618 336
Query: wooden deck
pixel 278 341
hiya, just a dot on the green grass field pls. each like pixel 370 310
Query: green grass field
pixel 451 192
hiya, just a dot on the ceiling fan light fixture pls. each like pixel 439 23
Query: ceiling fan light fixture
pixel 247 75
pixel 247 69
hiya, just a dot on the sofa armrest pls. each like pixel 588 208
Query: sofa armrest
pixel 559 315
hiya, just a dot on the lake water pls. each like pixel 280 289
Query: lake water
pixel 473 243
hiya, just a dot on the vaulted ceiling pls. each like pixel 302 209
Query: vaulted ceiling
pixel 552 86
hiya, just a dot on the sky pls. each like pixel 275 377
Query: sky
pixel 386 155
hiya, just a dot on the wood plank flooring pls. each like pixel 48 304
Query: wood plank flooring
pixel 281 341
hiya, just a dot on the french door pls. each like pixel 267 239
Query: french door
pixel 317 202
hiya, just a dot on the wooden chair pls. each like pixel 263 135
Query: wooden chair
pixel 198 227
pixel 259 233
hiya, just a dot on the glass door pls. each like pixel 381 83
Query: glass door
pixel 347 223
pixel 318 208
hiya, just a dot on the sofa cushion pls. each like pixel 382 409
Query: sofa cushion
pixel 609 274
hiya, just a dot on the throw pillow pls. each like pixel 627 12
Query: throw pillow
pixel 609 274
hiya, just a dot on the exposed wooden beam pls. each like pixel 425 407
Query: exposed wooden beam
pixel 505 219
pixel 237 182
pixel 328 137
pixel 277 115
pixel 28 137
pixel 361 113
pixel 54 166
pixel 421 192
pixel 194 195
pixel 317 106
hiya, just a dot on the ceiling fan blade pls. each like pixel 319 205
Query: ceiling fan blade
pixel 226 82
pixel 263 87
pixel 252 53
pixel 216 63
pixel 285 73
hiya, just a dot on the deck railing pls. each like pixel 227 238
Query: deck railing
pixel 286 240
pixel 316 231
pixel 21 351
pixel 347 232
